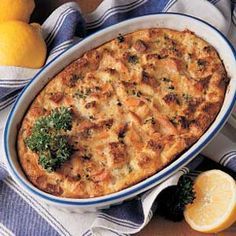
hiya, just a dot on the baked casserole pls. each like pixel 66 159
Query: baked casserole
pixel 121 113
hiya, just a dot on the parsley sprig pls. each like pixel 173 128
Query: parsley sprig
pixel 48 141
pixel 171 201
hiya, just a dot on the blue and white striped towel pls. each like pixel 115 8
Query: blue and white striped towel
pixel 21 214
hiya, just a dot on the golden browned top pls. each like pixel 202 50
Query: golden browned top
pixel 138 102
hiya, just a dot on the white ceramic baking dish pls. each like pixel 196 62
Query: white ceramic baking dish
pixel 167 20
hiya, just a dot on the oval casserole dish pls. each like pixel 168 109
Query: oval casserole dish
pixel 54 67
pixel 137 103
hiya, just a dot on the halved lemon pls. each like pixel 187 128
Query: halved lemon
pixel 214 208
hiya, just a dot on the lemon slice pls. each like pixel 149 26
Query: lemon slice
pixel 214 208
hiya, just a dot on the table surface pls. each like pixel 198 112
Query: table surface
pixel 157 226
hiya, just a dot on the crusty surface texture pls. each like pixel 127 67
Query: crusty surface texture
pixel 138 102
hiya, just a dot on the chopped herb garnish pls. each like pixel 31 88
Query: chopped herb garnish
pixel 150 120
pixel 171 201
pixel 57 153
pixel 187 97
pixel 130 168
pixel 133 59
pixel 91 117
pixel 166 79
pixel 135 93
pixel 148 99
pixel 83 93
pixel 48 141
pixel 171 87
pixel 86 157
pixel 88 91
pixel 166 37
pixel 80 94
pixel 86 133
pixel 61 119
pixel 120 38
pixel 73 79
pixel 208 49
pixel 138 94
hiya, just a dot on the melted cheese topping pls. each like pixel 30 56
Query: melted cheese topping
pixel 138 102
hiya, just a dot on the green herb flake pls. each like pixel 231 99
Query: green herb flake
pixel 135 93
pixel 73 80
pixel 164 79
pixel 130 168
pixel 166 37
pixel 133 59
pixel 187 97
pixel 86 157
pixel 138 94
pixel 80 94
pixel 150 120
pixel 91 117
pixel 120 38
pixel 171 87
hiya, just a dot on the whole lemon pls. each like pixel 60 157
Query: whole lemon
pixel 21 45
pixel 16 10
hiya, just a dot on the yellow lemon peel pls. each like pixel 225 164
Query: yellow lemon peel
pixel 21 45
pixel 16 10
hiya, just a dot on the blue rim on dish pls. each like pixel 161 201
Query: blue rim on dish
pixel 93 201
